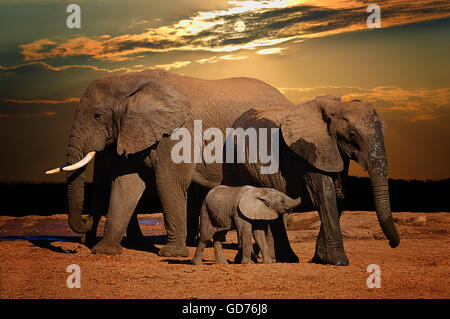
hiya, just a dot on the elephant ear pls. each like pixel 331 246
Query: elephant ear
pixel 154 109
pixel 253 206
pixel 306 133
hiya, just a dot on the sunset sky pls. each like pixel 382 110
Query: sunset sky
pixel 303 48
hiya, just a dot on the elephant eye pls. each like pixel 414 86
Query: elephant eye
pixel 352 135
pixel 97 116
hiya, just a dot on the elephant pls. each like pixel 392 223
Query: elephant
pixel 136 114
pixel 245 208
pixel 316 141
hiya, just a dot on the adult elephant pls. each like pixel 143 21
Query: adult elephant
pixel 317 139
pixel 137 112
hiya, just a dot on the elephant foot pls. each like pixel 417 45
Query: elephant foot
pixel 107 247
pixel 289 257
pixel 336 257
pixel 172 250
pixel 221 261
pixel 247 261
pixel 197 261
pixel 238 257
pixel 267 261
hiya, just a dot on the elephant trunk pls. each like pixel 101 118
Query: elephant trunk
pixel 75 193
pixel 380 187
pixel 294 202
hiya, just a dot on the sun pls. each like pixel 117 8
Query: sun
pixel 239 26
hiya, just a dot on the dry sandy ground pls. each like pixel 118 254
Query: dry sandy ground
pixel 418 268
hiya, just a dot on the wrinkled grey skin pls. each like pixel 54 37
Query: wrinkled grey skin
pixel 245 208
pixel 317 139
pixel 134 115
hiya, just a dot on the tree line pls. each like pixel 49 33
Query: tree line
pixel 21 199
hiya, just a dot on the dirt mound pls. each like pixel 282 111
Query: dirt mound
pixel 364 225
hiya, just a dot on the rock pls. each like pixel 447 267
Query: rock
pixel 419 221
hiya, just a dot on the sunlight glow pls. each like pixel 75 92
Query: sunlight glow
pixel 270 51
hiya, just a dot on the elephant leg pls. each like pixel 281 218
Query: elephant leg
pixel 219 257
pixel 238 257
pixel 126 190
pixel 254 254
pixel 196 195
pixel 279 247
pixel 90 238
pixel 205 237
pixel 329 244
pixel 172 189
pixel 245 232
pixel 199 251
pixel 259 234
pixel 207 230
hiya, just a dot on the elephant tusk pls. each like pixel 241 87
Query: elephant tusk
pixel 73 167
pixel 53 171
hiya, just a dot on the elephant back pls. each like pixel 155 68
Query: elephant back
pixel 220 102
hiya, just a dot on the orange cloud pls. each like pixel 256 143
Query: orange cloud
pixel 270 51
pixel 62 68
pixel 34 49
pixel 228 57
pixel 37 101
pixel 174 65
pixel 422 117
pixel 412 105
pixel 44 114
pixel 137 67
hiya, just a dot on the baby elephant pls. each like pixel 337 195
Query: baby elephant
pixel 246 209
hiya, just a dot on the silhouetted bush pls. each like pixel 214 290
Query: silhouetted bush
pixel 405 196
pixel 20 199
